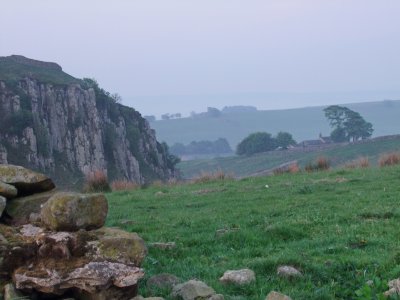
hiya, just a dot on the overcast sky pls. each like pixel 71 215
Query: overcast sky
pixel 184 55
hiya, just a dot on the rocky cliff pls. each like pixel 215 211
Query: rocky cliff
pixel 67 127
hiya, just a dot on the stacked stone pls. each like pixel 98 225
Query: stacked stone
pixel 53 244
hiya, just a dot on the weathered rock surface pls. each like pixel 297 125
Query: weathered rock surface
pixel 73 211
pixel 116 245
pixel 59 278
pixel 7 190
pixel 162 281
pixel 76 128
pixel 288 272
pixel 21 209
pixel 238 277
pixel 277 296
pixel 193 290
pixel 27 182
pixel 3 202
pixel 70 256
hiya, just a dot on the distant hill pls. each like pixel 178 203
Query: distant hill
pixel 338 154
pixel 67 127
pixel 303 123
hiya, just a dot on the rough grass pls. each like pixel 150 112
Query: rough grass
pixel 242 166
pixel 339 227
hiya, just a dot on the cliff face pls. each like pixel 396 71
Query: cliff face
pixel 70 129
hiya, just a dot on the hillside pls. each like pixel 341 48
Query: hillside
pixel 339 228
pixel 303 123
pixel 241 166
pixel 67 127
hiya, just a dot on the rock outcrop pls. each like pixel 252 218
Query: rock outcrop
pixel 67 127
pixel 66 252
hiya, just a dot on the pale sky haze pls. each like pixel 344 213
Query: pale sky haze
pixel 184 55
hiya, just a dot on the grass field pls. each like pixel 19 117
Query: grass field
pixel 241 166
pixel 339 227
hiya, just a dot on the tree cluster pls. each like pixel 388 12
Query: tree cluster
pixel 347 125
pixel 220 146
pixel 264 141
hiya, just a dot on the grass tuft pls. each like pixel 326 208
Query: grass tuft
pixel 96 181
pixel 389 159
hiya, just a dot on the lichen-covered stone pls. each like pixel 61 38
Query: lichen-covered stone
pixel 73 211
pixel 20 209
pixel 238 277
pixel 162 281
pixel 56 277
pixel 26 181
pixel 119 246
pixel 7 190
pixel 192 290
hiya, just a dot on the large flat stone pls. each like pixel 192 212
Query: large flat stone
pixel 26 181
pixel 20 209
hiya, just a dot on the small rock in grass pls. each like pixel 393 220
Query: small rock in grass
pixel 192 290
pixel 288 272
pixel 277 296
pixel 163 246
pixel 163 281
pixel 238 277
pixel 394 287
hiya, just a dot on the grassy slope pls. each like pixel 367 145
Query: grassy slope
pixel 303 123
pixel 12 71
pixel 339 227
pixel 243 165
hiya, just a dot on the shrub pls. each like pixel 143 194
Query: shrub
pixel 389 159
pixel 321 164
pixel 211 176
pixel 291 168
pixel 124 185
pixel 96 181
pixel 362 162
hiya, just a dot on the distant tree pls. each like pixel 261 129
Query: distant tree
pixel 165 116
pixel 213 112
pixel 347 125
pixel 255 143
pixel 150 118
pixel 116 97
pixel 178 149
pixel 178 115
pixel 284 140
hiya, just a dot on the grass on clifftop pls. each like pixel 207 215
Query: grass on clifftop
pixel 340 228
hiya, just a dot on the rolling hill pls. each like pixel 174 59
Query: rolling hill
pixel 302 123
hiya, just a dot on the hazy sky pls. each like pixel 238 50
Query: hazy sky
pixel 184 55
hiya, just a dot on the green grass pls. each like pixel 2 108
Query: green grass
pixel 12 71
pixel 302 123
pixel 241 166
pixel 340 228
